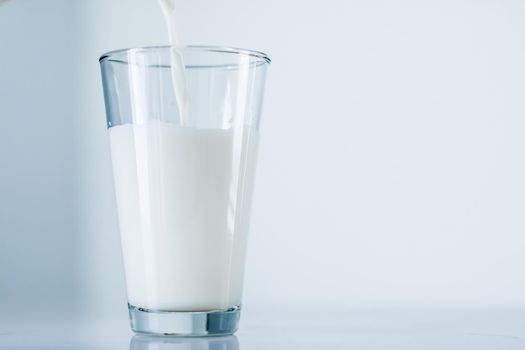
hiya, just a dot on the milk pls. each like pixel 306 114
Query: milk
pixel 177 67
pixel 183 199
pixel 168 10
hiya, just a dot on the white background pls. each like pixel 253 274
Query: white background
pixel 391 165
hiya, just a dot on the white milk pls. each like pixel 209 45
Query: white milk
pixel 178 69
pixel 183 197
pixel 168 10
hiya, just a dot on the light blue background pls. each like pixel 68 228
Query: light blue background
pixel 391 166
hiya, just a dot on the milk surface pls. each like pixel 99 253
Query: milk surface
pixel 183 198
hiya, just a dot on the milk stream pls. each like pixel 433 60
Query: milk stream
pixel 178 71
pixel 184 197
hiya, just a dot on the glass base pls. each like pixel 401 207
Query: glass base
pixel 185 324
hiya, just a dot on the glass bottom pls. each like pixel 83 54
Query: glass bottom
pixel 184 324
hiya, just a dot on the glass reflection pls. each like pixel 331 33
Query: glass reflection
pixel 146 342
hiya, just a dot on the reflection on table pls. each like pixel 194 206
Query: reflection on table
pixel 147 342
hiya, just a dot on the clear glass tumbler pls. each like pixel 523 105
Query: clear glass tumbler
pixel 184 127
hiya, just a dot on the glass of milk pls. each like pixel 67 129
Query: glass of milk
pixel 184 128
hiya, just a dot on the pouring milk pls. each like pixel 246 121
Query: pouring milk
pixel 183 200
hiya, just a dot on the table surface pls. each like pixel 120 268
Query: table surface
pixel 502 329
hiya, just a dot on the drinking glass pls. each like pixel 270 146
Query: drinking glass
pixel 183 125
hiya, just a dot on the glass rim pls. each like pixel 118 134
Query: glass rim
pixel 203 48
